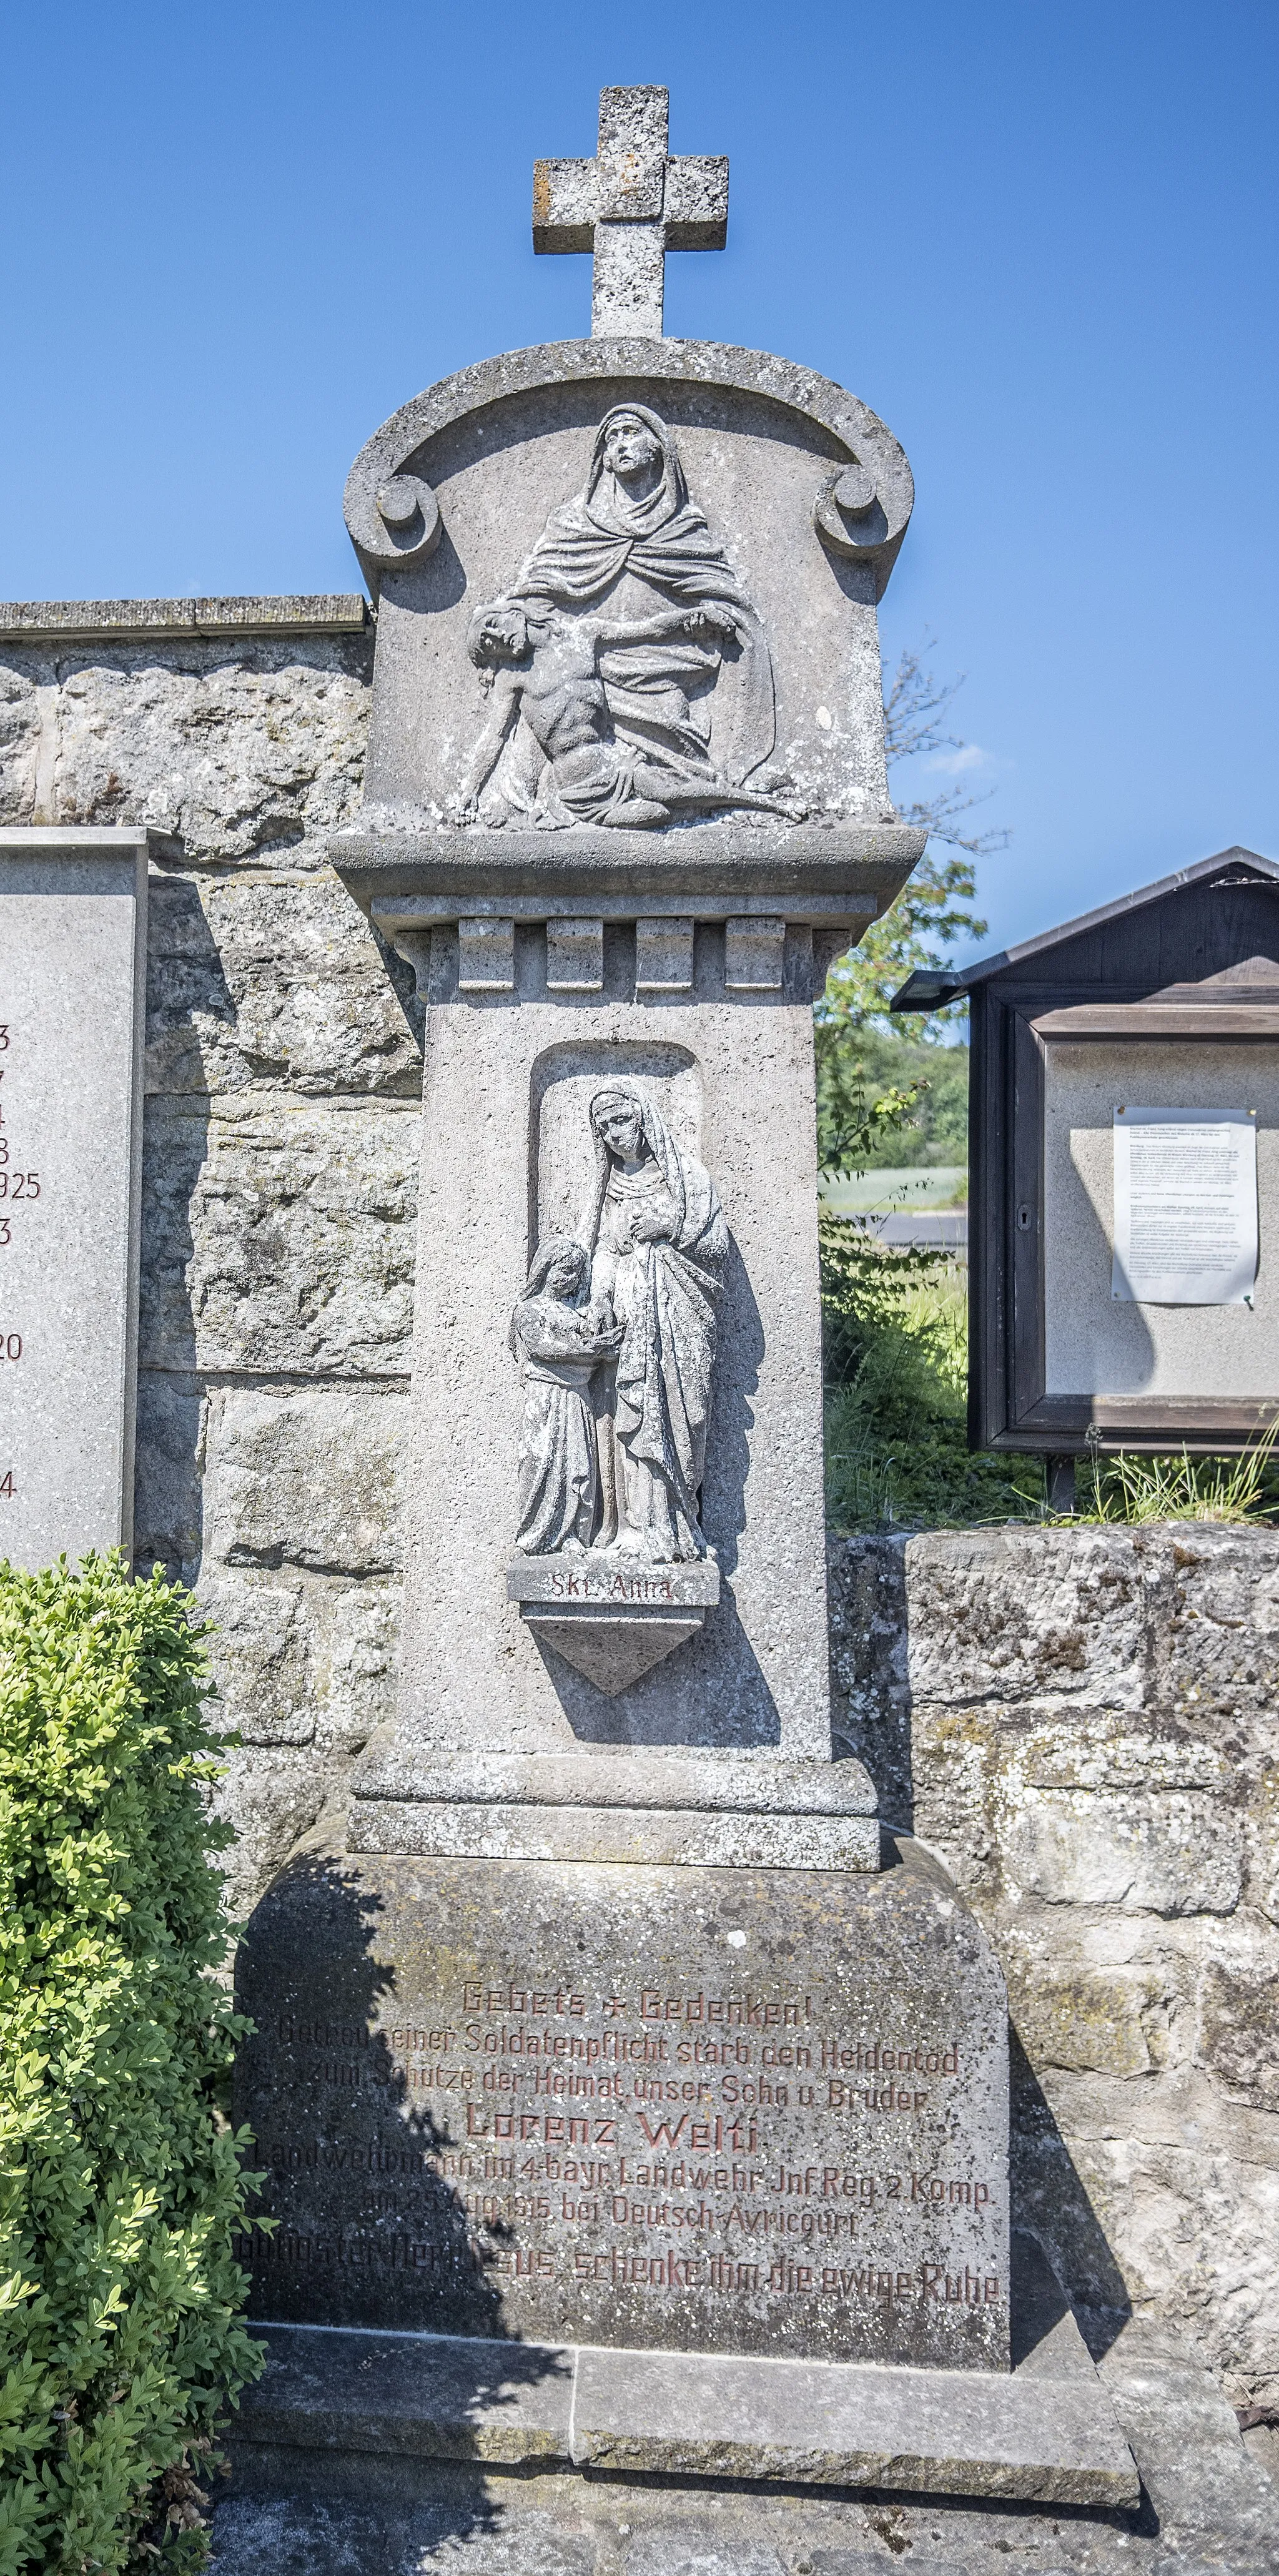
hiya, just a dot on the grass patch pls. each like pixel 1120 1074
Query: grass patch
pixel 895 1341
pixel 1134 1489
pixel 895 1348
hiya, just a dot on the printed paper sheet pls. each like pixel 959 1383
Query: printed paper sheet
pixel 1185 1207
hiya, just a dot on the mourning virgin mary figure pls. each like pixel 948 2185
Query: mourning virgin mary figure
pixel 660 1245
pixel 633 539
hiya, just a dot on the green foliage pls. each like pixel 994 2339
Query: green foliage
pixel 1133 1488
pixel 867 1063
pixel 895 1337
pixel 120 2184
pixel 888 1101
pixel 886 1090
pixel 932 911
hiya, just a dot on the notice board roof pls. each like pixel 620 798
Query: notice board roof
pixel 929 988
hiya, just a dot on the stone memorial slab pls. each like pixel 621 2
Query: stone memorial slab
pixel 72 996
pixel 703 2111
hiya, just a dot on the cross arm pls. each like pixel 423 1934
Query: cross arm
pixel 696 206
pixel 692 208
pixel 564 201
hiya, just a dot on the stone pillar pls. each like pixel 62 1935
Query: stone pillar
pixel 72 1001
pixel 506 1162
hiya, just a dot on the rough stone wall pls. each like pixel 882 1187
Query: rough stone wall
pixel 1081 1723
pixel 280 1157
pixel 1084 1725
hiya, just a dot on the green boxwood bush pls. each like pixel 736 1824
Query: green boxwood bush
pixel 120 2184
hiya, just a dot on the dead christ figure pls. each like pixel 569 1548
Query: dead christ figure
pixel 545 668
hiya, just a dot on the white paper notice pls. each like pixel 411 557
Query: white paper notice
pixel 1185 1207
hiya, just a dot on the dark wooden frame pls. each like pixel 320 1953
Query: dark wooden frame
pixel 1008 1407
pixel 1189 959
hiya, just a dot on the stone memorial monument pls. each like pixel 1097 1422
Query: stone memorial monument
pixel 73 911
pixel 606 2055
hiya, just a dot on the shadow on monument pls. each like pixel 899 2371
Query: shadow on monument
pixel 361 2170
pixel 428 587
pixel 185 978
pixel 1049 2200
pixel 370 2232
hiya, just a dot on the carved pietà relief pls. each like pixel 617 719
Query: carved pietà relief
pixel 629 677
pixel 616 1336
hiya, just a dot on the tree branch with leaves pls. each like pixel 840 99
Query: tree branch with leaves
pixel 855 1112
pixel 935 908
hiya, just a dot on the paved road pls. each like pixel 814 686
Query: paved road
pixel 932 1226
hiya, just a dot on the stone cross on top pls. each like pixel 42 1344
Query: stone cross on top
pixel 630 205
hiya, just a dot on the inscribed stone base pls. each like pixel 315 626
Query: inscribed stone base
pixel 702 2110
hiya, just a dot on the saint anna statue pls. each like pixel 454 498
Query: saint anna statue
pixel 659 1245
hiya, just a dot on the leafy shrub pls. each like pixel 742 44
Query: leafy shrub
pixel 895 1336
pixel 895 1362
pixel 919 1088
pixel 120 2185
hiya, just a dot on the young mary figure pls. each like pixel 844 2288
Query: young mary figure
pixel 560 1341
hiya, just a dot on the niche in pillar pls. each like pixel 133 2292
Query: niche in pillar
pixel 562 1169
pixel 616 1336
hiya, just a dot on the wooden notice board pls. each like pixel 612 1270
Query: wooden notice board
pixel 1168 1001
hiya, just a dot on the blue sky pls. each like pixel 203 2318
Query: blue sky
pixel 1041 242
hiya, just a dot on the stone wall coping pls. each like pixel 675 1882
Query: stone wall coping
pixel 79 840
pixel 976 1545
pixel 40 621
